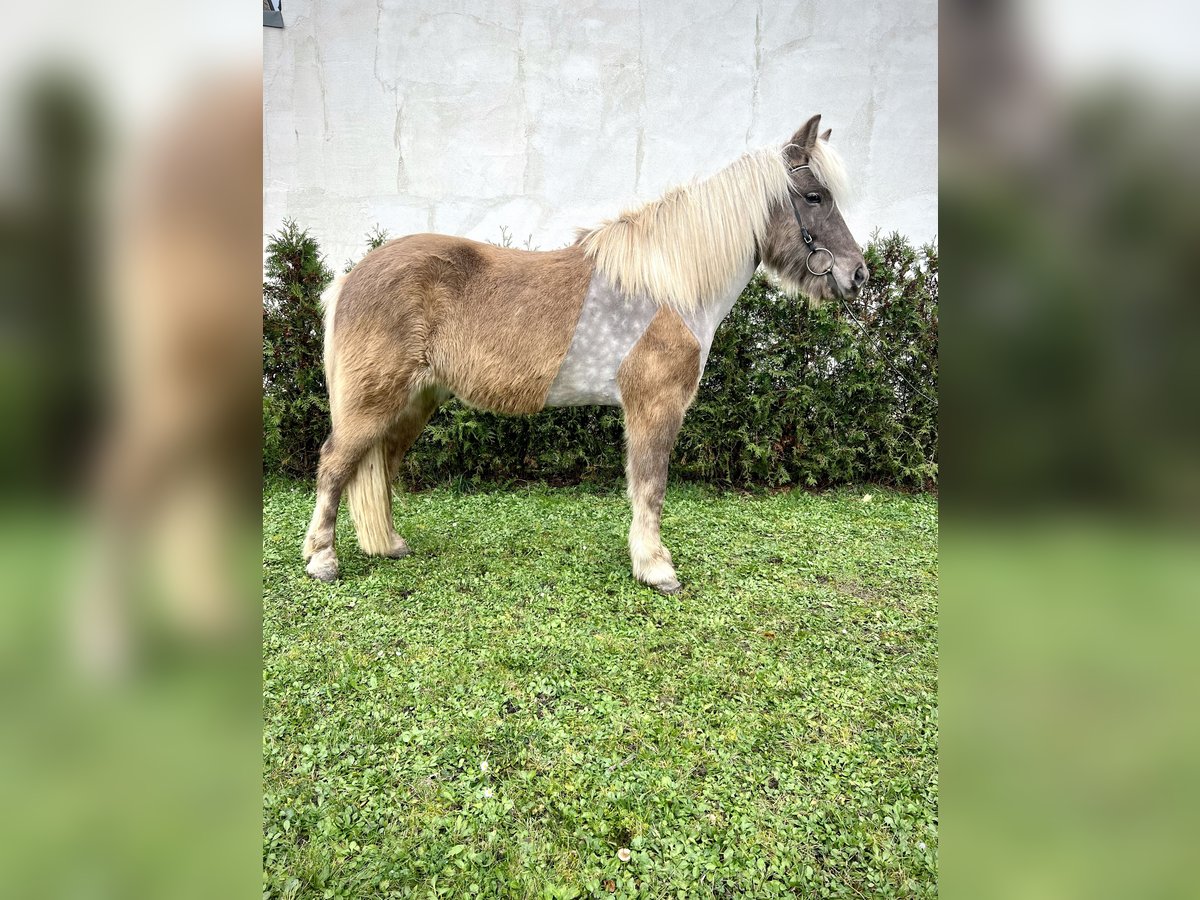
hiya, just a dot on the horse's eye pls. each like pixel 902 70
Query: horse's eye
pixel 813 198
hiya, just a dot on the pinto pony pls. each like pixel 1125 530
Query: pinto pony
pixel 624 316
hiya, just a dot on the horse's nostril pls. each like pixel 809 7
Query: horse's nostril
pixel 860 276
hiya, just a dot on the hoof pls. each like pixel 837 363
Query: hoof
pixel 323 566
pixel 658 573
pixel 399 549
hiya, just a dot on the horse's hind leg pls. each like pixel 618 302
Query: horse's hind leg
pixel 362 458
pixel 658 381
pixel 409 426
pixel 340 455
pixel 402 435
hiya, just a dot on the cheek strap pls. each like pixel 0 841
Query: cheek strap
pixel 813 248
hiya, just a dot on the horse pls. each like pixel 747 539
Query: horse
pixel 624 316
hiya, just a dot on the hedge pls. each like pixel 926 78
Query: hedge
pixel 794 393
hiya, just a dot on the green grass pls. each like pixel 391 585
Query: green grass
pixel 501 712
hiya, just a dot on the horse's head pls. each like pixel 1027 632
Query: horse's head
pixel 807 244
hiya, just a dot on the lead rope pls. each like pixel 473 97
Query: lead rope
pixel 896 372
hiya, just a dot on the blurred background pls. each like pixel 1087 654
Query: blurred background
pixel 1070 226
pixel 130 247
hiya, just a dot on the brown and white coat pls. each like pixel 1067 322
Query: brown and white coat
pixel 625 316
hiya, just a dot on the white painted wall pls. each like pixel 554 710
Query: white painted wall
pixel 460 117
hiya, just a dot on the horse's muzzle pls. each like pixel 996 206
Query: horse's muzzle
pixel 861 276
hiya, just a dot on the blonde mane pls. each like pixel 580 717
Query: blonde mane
pixel 684 249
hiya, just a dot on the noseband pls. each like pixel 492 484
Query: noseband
pixel 813 249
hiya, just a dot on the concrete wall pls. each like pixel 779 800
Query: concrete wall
pixel 461 117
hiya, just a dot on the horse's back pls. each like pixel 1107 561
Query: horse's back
pixel 491 324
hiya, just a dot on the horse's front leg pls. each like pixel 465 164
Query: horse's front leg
pixel 658 381
pixel 650 435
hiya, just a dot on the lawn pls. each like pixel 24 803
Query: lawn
pixel 501 713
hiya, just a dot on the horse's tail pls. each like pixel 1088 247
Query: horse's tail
pixel 329 299
pixel 369 492
pixel 369 496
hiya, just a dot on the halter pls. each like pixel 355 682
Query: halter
pixel 808 238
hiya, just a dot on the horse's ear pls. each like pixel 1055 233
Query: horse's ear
pixel 826 133
pixel 804 139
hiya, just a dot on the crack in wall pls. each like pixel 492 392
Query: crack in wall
pixel 640 147
pixel 758 57
pixel 527 124
pixel 478 20
pixel 397 136
pixel 394 89
pixel 319 66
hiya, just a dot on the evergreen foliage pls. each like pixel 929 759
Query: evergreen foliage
pixel 295 400
pixel 794 393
